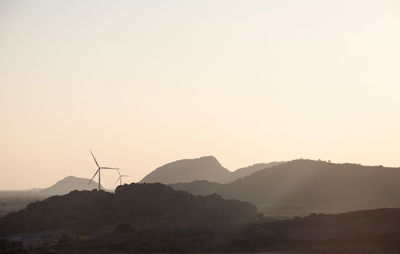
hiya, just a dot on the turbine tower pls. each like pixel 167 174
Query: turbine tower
pixel 120 177
pixel 98 170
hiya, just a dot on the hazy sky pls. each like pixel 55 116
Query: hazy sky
pixel 143 83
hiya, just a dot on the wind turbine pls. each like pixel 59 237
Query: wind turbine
pixel 120 177
pixel 98 170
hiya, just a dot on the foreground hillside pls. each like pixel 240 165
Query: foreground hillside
pixel 152 204
pixel 303 186
pixel 371 231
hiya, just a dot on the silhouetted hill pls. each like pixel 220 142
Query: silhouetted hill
pixel 203 168
pixel 135 203
pixel 187 170
pixel 199 187
pixel 304 186
pixel 67 185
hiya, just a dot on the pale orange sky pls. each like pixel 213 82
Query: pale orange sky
pixel 143 83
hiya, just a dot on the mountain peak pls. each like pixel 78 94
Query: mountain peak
pixel 69 178
pixel 187 170
pixel 205 159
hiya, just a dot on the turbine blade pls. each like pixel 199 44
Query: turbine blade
pixel 94 159
pixel 93 176
pixel 108 168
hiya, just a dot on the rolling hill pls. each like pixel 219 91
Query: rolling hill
pixel 67 185
pixel 302 186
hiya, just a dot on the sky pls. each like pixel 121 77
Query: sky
pixel 144 83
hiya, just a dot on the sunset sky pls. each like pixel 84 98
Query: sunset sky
pixel 144 83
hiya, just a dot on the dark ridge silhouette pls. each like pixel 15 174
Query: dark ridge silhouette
pixel 150 204
pixel 203 168
pixel 199 187
pixel 367 231
pixel 379 217
pixel 304 186
pixel 67 185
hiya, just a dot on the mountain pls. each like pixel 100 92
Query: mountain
pixel 242 172
pixel 67 185
pixel 203 168
pixel 150 204
pixel 187 170
pixel 302 186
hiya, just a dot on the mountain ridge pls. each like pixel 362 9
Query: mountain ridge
pixel 203 168
pixel 305 186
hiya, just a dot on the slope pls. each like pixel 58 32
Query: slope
pixel 303 186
